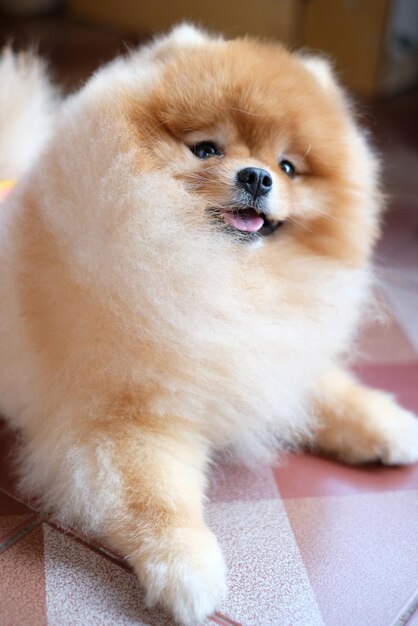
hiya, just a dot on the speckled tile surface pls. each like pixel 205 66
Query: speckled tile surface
pixel 268 582
pixel 367 545
pixel 22 582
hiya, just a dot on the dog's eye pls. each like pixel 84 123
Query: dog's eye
pixel 205 150
pixel 288 168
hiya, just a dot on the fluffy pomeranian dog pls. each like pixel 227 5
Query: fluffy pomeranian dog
pixel 183 264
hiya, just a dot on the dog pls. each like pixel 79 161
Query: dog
pixel 185 259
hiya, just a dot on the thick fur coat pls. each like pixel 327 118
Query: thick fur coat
pixel 143 327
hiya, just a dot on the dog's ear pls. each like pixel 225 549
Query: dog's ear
pixel 186 34
pixel 321 69
pixel 182 36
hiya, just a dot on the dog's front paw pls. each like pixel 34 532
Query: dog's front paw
pixel 362 425
pixel 389 434
pixel 400 444
pixel 184 571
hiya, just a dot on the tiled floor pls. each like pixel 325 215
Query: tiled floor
pixel 310 542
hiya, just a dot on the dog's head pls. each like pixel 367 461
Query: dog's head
pixel 263 138
pixel 240 139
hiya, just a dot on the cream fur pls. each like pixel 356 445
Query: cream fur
pixel 136 340
pixel 26 109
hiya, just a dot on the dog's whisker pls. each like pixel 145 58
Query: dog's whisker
pixel 301 224
pixel 241 111
pixel 307 151
pixel 332 218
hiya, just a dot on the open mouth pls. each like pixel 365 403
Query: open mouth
pixel 250 221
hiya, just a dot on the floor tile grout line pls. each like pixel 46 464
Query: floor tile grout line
pixel 222 620
pixel 99 549
pixel 86 542
pixel 407 611
pixel 19 500
pixel 17 536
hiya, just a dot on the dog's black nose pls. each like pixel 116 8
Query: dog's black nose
pixel 255 180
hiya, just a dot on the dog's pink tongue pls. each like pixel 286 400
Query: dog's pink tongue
pixel 248 222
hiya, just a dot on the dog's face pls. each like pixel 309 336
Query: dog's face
pixel 265 141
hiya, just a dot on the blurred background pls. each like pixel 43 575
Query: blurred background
pixel 374 43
